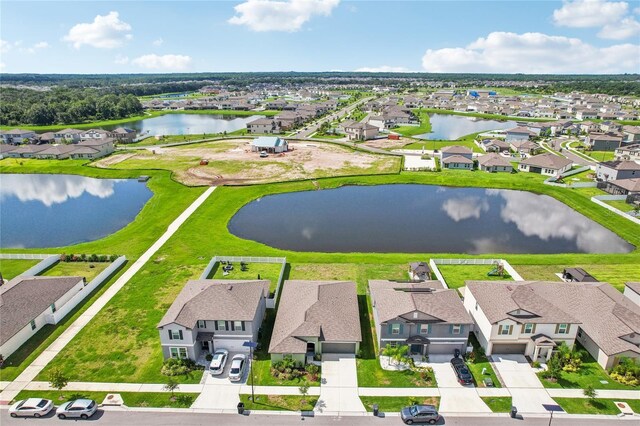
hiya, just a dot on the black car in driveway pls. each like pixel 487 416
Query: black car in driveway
pixel 462 372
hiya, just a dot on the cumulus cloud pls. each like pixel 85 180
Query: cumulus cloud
pixel 533 53
pixel 5 46
pixel 105 32
pixel 465 208
pixel 158 42
pixel 589 13
pixel 285 15
pixel 37 46
pixel 166 62
pixel 626 28
pixel 383 68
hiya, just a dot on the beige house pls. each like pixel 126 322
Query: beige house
pixel 494 163
pixel 360 131
pixel 546 164
pixel 316 317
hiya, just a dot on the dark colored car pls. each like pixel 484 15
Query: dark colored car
pixel 420 414
pixel 462 372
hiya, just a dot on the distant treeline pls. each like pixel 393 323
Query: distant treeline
pixel 64 105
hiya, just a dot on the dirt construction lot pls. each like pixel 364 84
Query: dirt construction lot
pixel 232 162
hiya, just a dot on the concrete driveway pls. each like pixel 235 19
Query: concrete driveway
pixel 526 390
pixel 454 397
pixel 339 386
pixel 219 393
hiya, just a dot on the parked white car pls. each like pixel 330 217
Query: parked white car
pixel 238 365
pixel 82 408
pixel 32 407
pixel 218 362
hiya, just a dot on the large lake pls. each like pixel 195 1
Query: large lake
pixel 451 127
pixel 38 210
pixel 421 219
pixel 182 124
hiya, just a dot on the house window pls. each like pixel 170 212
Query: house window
pixel 53 308
pixel 202 324
pixel 505 330
pixel 179 353
pixel 456 329
pixel 175 334
pixel 33 324
pixel 424 328
pixel 222 325
pixel 237 325
pixel 527 328
pixel 563 329
pixel 395 328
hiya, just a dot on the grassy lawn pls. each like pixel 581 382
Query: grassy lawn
pixel 481 363
pixel 591 373
pixel 498 404
pixel 10 268
pixel 131 399
pixel 424 127
pixel 620 205
pixel 467 141
pixel 89 270
pixel 614 274
pixel 480 115
pixel 152 140
pixel 279 402
pixel 397 403
pixel 266 271
pixel 599 406
pixel 456 275
pixel 601 155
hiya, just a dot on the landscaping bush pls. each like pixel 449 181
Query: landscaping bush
pixel 83 257
pixel 208 357
pixel 627 372
pixel 178 367
pixel 288 369
pixel 313 371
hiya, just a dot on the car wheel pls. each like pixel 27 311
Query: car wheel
pixel 84 417
pixel 62 416
pixel 409 422
pixel 36 415
pixel 14 415
pixel 432 422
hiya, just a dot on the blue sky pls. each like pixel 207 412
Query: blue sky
pixel 577 36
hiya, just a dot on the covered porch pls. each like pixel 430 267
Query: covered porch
pixel 418 345
pixel 543 347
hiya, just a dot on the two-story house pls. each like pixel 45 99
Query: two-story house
pixel 213 314
pixel 425 316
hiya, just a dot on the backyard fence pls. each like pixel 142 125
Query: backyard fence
pixel 271 302
pixel 600 201
pixel 552 180
pixel 433 263
pixel 25 256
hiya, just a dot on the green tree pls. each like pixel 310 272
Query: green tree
pixel 171 386
pixel 590 393
pixel 57 379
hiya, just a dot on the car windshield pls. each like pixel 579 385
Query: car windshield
pixel 413 411
pixel 21 403
pixel 217 357
pixel 235 371
pixel 90 406
pixel 42 403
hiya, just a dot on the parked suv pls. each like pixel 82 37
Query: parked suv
pixel 218 362
pixel 462 372
pixel 238 364
pixel 83 408
pixel 420 414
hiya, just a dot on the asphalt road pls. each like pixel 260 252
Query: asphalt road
pixel 154 418
pixel 311 128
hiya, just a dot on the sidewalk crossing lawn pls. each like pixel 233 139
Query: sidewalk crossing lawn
pixel 456 275
pixel 10 268
pixel 397 403
pixel 498 404
pixel 131 399
pixel 598 406
pixel 616 275
pixel 279 402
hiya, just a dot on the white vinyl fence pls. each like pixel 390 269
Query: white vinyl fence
pixel 600 201
pixel 433 263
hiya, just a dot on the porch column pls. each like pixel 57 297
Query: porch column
pixel 549 352
pixel 536 352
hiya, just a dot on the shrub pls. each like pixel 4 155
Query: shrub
pixel 208 357
pixel 471 357
pixel 313 371
pixel 178 367
pixel 113 257
pixel 627 372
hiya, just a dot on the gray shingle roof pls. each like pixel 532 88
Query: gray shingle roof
pixel 444 304
pixel 634 286
pixel 324 309
pixel 456 149
pixel 24 298
pixel 457 159
pixel 493 160
pixel 548 160
pixel 231 300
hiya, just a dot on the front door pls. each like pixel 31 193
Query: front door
pixel 416 349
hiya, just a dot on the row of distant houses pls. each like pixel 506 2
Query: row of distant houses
pixel 21 136
pixel 289 118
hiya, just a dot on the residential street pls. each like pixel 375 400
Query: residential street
pixel 311 128
pixel 149 417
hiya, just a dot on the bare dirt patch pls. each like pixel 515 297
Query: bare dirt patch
pixel 111 160
pixel 388 143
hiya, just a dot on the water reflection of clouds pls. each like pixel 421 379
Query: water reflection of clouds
pixel 50 191
pixel 465 208
pixel 307 232
pixel 545 218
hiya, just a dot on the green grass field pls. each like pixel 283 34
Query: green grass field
pixel 266 271
pixel 131 399
pixel 614 274
pixel 279 402
pixel 467 141
pixel 456 275
pixel 599 406
pixel 11 268
pixel 498 404
pixel 424 127
pixel 89 270
pixel 481 363
pixel 393 404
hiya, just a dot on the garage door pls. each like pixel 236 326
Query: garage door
pixel 505 348
pixel 338 348
pixel 232 345
pixel 444 348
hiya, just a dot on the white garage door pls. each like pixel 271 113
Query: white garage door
pixel 232 345
pixel 338 348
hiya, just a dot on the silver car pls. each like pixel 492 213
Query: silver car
pixel 83 408
pixel 238 364
pixel 218 362
pixel 32 407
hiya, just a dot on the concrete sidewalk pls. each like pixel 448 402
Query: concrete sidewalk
pixel 30 373
pixel 339 388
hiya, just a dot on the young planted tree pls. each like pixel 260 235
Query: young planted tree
pixel 171 386
pixel 590 393
pixel 58 380
pixel 304 390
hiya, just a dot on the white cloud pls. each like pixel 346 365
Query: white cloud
pixel 158 42
pixel 465 208
pixel 533 53
pixel 589 13
pixel 105 32
pixel 383 68
pixel 168 62
pixel 121 60
pixel 285 15
pixel 38 46
pixel 5 46
pixel 626 28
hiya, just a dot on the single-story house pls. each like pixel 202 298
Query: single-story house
pixel 519 134
pixel 494 145
pixel 617 169
pixel 28 303
pixel 623 186
pixel 457 162
pixel 533 317
pixel 360 131
pixel 461 151
pixel 494 162
pixel 546 164
pixel 57 152
pixel 419 271
pixel 27 151
pixel 603 141
pixel 578 275
pixel 271 144
pixel 213 314
pixel 6 149
pixel 425 316
pixel 263 125
pixel 632 292
pixel 47 137
pixel 525 147
pixel 316 317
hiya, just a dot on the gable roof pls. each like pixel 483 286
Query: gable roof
pixel 393 299
pixel 493 159
pixel 457 159
pixel 267 141
pixel 521 131
pixel 231 300
pixel 547 160
pixel 456 149
pixel 24 298
pixel 324 309
pixel 621 165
